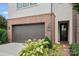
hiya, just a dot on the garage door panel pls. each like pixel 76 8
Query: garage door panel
pixel 31 31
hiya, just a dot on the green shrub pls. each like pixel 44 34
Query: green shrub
pixel 75 49
pixel 57 50
pixel 50 42
pixel 34 48
pixel 3 36
pixel 40 48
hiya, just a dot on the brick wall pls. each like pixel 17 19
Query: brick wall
pixel 77 28
pixel 46 18
pixel 74 28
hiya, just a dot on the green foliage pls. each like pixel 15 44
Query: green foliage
pixel 3 27
pixel 75 49
pixel 50 42
pixel 39 48
pixel 76 7
pixel 3 22
pixel 57 50
pixel 3 36
pixel 34 48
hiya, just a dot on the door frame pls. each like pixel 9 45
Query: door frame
pixel 59 22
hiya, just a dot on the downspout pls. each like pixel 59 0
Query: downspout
pixel 51 23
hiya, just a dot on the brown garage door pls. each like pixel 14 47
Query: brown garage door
pixel 30 31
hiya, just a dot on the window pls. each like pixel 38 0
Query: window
pixel 63 27
pixel 25 5
pixel 19 5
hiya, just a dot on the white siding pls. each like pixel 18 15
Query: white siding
pixel 36 10
pixel 63 12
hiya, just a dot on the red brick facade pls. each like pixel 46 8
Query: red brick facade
pixel 45 18
pixel 74 27
pixel 77 28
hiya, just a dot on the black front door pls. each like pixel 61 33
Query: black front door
pixel 63 31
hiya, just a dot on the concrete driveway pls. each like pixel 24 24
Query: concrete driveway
pixel 10 49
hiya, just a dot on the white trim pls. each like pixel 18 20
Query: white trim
pixel 57 36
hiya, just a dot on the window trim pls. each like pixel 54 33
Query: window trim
pixel 26 7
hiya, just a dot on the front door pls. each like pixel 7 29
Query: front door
pixel 63 32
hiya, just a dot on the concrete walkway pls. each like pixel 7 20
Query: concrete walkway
pixel 10 49
pixel 66 49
